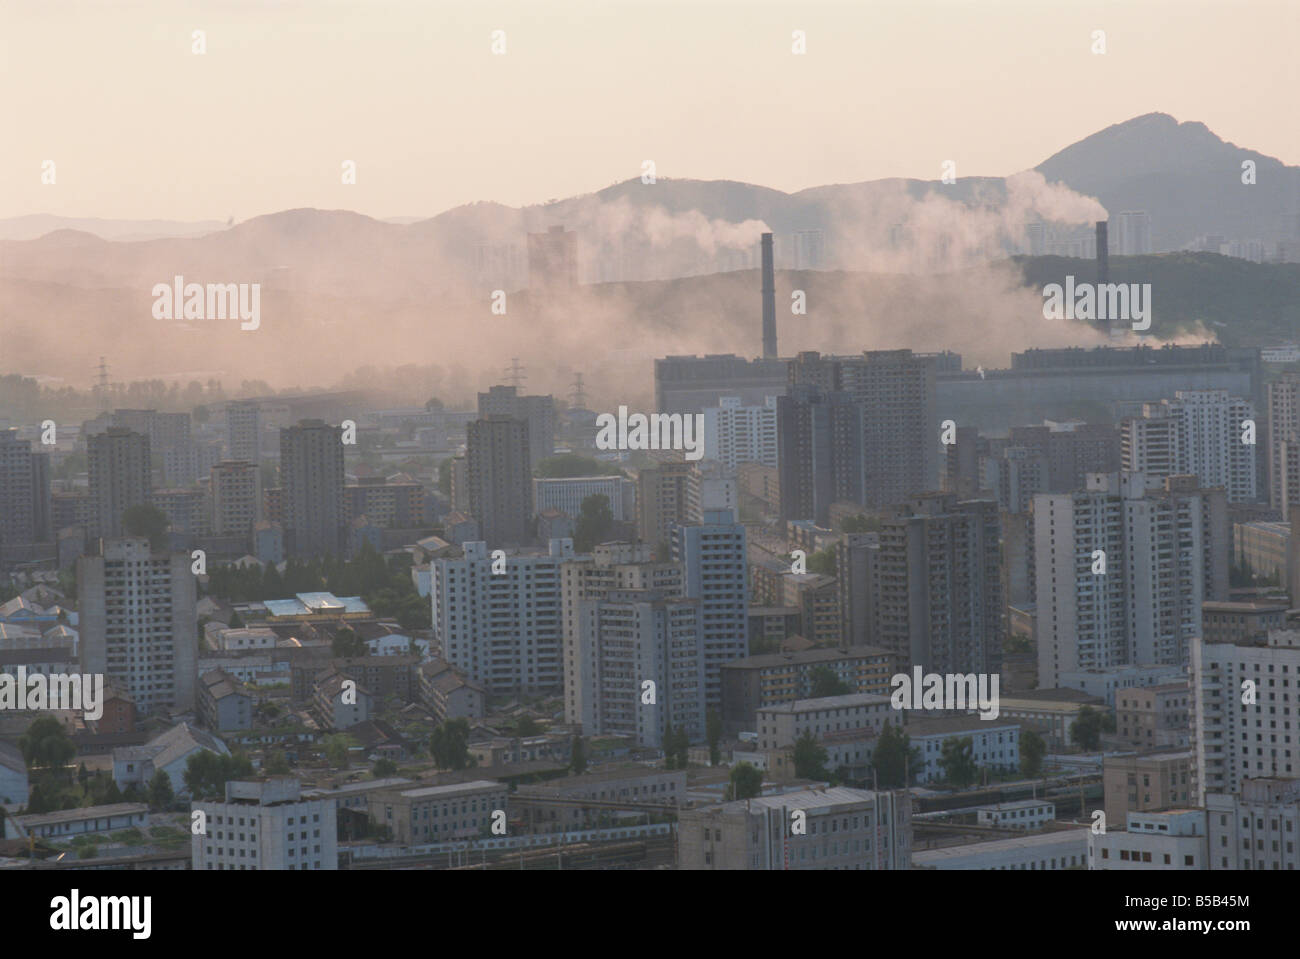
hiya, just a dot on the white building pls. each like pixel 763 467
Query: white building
pixel 1025 814
pixel 1133 613
pixel 268 826
pixel 781 726
pixel 1105 683
pixel 1132 233
pixel 1245 705
pixel 1172 839
pixel 735 434
pixel 1198 433
pixel 86 821
pixel 995 744
pixel 631 638
pixel 1258 829
pixel 566 494
pixel 1041 852
pixel 610 566
pixel 502 629
pixel 715 571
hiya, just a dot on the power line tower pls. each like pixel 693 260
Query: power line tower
pixel 515 373
pixel 577 394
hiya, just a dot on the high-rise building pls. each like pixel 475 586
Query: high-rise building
pixel 821 454
pixel 170 438
pixel 537 411
pixel 666 495
pixel 236 497
pixel 118 461
pixel 1245 710
pixel 553 259
pixel 1121 571
pixel 939 603
pixel 500 480
pixel 735 434
pixel 714 571
pixel 1284 442
pixel 1198 432
pixel 312 510
pixel 244 431
pixel 24 492
pixel 1133 233
pixel 502 629
pixel 138 622
pixel 646 661
pixel 1072 450
pixel 610 566
pixel 900 426
pixel 267 825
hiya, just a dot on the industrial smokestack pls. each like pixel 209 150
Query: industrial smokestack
pixel 769 300
pixel 1103 254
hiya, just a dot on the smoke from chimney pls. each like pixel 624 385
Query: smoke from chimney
pixel 769 300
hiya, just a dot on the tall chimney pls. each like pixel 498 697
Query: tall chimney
pixel 769 301
pixel 1103 254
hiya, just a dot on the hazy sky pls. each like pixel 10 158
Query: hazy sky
pixel 140 127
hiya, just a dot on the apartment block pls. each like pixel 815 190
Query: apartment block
pixel 138 622
pixel 1154 717
pixel 1175 839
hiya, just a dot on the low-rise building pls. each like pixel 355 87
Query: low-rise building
pixel 266 825
pixel 429 814
pixel 1024 814
pixel 1155 717
pixel 577 802
pixel 223 703
pixel 838 828
pixel 86 821
pixel 1040 852
pixel 1144 782
pixel 1174 839
pixel 995 743
pixel 757 682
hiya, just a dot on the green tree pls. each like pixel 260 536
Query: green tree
pixel 578 760
pixel 161 794
pixel 206 773
pixel 670 739
pixel 46 745
pixel 826 683
pixel 1085 732
pixel 713 730
pixel 957 759
pixel 348 644
pixel 337 750
pixel 746 782
pixel 1032 751
pixel 894 754
pixel 682 748
pixel 236 621
pixel 449 744
pixel 595 523
pixel 527 726
pixel 146 520
pixel 809 758
pixel 822 562
pixel 383 768
pixel 277 764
